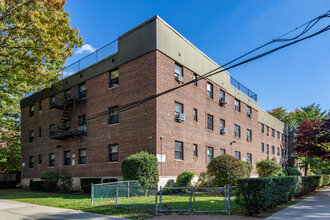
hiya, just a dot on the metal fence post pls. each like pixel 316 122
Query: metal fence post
pixel 156 201
pixel 226 198
pixel 92 194
pixel 229 199
pixel 194 201
pixel 191 196
pixel 128 189
pixel 160 198
pixel 116 195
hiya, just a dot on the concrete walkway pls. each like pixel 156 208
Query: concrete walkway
pixel 316 206
pixel 12 210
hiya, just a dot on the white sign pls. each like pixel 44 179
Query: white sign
pixel 161 158
pixel 23 164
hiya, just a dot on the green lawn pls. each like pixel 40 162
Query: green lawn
pixel 134 207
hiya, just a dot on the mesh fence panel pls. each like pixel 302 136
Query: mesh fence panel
pixel 212 199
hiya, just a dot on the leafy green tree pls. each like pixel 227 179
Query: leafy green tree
pixel 35 39
pixel 310 112
pixel 283 115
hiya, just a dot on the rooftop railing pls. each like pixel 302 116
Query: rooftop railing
pixel 90 59
pixel 243 89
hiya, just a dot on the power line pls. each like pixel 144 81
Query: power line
pixel 308 27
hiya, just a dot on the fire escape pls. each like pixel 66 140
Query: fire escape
pixel 66 128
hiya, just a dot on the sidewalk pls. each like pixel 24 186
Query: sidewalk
pixel 316 206
pixel 12 210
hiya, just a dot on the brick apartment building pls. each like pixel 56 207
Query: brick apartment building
pixel 81 128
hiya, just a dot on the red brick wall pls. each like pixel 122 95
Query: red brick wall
pixel 190 132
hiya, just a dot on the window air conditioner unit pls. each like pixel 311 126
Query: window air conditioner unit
pixel 179 78
pixel 224 100
pixel 180 117
pixel 82 128
pixel 223 130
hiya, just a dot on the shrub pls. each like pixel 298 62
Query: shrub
pixel 110 180
pixel 143 167
pixel 268 168
pixel 86 183
pixel 37 185
pixel 248 168
pixel 184 179
pixel 255 194
pixel 65 182
pixel 292 171
pixel 203 180
pixel 225 169
pixel 50 180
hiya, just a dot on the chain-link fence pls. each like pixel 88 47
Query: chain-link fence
pixel 126 195
pixel 131 195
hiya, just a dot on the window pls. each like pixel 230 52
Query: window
pixel 237 105
pixel 51 159
pixel 40 105
pixel 52 130
pixel 278 135
pixel 278 151
pixel 222 124
pixel 273 150
pixel 209 88
pixel 114 78
pixel 52 100
pixel 273 132
pixel 209 122
pixel 66 157
pixel 248 135
pixel 267 130
pixel 222 151
pixel 31 161
pixel 286 153
pixel 40 132
pixel 238 155
pixel 178 71
pixel 282 152
pixel 267 148
pixel 178 109
pixel 249 158
pixel 262 147
pixel 286 138
pixel 82 120
pixel 248 111
pixel 113 115
pixel 178 150
pixel 262 128
pixel 195 150
pixel 209 154
pixel 195 79
pixel 237 131
pixel 222 94
pixel 31 136
pixel 113 153
pixel 31 110
pixel 195 115
pixel 82 91
pixel 39 159
pixel 82 156
pixel 67 94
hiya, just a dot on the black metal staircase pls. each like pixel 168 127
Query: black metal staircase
pixel 68 128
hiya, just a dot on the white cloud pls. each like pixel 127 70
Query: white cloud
pixel 86 48
pixel 68 73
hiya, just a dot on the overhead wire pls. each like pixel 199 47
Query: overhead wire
pixel 309 25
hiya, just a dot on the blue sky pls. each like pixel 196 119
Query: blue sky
pixel 295 76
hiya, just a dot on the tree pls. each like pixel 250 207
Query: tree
pixel 312 139
pixel 283 115
pixel 269 168
pixel 35 39
pixel 310 112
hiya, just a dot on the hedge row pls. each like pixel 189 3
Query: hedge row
pixel 8 184
pixel 255 194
